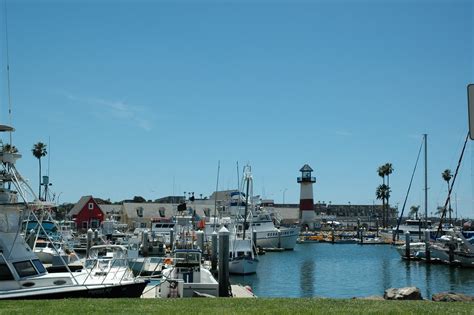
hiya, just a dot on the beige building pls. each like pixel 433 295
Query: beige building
pixel 140 214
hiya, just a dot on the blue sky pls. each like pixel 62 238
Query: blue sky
pixel 145 97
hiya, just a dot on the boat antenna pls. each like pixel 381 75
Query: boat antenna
pixel 448 199
pixel 49 153
pixel 215 196
pixel 8 73
pixel 238 182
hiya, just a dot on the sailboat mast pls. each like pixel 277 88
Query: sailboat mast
pixel 425 136
pixel 247 179
pixel 215 198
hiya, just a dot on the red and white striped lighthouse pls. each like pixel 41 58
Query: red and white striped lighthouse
pixel 307 214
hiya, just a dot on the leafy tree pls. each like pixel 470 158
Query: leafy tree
pixel 139 199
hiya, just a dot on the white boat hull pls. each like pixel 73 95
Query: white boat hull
pixel 286 240
pixel 243 266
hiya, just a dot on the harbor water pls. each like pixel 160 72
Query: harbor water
pixel 349 270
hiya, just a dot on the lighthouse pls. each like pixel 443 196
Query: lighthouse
pixel 307 214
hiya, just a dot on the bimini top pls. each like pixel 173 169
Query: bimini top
pixel 5 128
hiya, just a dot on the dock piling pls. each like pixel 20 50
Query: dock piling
pixel 214 252
pixel 90 234
pixel 427 245
pixel 200 240
pixel 407 245
pixel 254 240
pixel 145 243
pixel 224 262
pixel 171 238
pixel 96 237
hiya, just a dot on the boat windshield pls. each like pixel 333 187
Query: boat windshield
pixel 187 258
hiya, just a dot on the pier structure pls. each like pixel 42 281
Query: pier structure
pixel 306 181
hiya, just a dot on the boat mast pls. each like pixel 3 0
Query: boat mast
pixel 247 179
pixel 425 137
pixel 215 198
pixel 8 74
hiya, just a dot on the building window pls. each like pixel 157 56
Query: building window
pixel 91 206
pixel 84 225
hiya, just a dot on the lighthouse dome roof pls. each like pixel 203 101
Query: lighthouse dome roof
pixel 306 168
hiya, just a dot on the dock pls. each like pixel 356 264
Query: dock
pixel 238 291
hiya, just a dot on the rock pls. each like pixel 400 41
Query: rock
pixel 407 293
pixel 452 297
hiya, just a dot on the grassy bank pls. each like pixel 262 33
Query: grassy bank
pixel 231 306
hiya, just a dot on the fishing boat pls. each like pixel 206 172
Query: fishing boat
pixel 242 258
pixel 22 275
pixel 187 277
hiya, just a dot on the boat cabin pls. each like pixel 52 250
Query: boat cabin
pixel 187 258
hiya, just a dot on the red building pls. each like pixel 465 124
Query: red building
pixel 87 214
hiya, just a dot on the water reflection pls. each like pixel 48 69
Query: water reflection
pixel 307 278
pixel 407 272
pixel 342 271
pixel 386 273
pixel 428 280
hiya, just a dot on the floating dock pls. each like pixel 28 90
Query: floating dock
pixel 238 291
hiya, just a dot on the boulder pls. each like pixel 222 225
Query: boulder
pixel 407 293
pixel 452 297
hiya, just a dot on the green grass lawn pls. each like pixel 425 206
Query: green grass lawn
pixel 231 306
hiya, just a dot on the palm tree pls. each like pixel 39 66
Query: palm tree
pixel 383 193
pixel 447 177
pixel 414 211
pixel 39 151
pixel 388 169
pixel 439 211
pixel 381 172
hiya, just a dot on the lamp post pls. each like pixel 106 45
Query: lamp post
pixel 284 190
